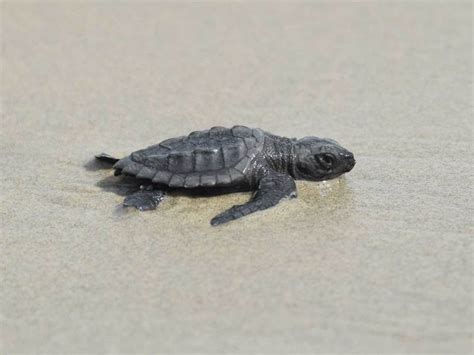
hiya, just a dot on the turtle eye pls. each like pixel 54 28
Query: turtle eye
pixel 326 160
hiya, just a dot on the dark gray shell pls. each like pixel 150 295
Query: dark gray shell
pixel 215 157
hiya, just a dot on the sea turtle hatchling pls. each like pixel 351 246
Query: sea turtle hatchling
pixel 239 157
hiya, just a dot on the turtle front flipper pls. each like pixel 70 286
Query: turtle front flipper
pixel 272 188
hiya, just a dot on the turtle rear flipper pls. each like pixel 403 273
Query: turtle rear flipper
pixel 272 189
pixel 106 158
pixel 144 200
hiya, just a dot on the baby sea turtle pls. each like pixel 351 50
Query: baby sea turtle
pixel 240 157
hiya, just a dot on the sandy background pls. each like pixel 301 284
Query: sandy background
pixel 378 261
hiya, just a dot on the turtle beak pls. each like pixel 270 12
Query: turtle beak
pixel 350 161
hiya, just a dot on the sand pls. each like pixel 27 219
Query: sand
pixel 377 261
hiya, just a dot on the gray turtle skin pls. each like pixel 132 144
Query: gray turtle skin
pixel 240 157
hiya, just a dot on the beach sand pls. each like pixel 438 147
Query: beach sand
pixel 379 260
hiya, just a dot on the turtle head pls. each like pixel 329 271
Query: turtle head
pixel 319 159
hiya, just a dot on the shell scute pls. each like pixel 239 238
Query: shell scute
pixel 241 165
pixel 177 180
pixel 162 177
pixel 235 175
pixel 207 159
pixel 192 180
pixel 131 168
pixel 146 173
pixel 223 177
pixel 208 179
pixel 169 143
pixel 241 131
pixel 181 162
pixel 232 154
pixel 250 142
pixel 217 131
pixel 122 163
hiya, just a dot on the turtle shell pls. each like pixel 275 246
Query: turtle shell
pixel 215 157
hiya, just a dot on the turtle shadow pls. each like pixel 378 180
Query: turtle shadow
pixel 122 186
pixel 95 165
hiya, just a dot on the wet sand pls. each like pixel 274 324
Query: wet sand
pixel 377 261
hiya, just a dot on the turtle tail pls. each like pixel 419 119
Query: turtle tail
pixel 106 158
